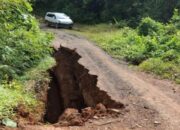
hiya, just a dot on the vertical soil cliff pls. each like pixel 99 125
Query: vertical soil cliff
pixel 73 87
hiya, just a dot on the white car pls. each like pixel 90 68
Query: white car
pixel 58 20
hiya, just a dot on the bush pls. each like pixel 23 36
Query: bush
pixel 150 27
pixel 175 20
pixel 170 55
pixel 22 44
pixel 135 53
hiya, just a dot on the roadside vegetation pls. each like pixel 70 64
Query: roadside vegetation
pixel 24 56
pixel 153 46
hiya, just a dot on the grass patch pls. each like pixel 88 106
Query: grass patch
pixel 166 70
pixel 11 95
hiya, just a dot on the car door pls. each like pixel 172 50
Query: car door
pixel 54 20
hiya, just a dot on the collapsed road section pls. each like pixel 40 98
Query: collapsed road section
pixel 73 87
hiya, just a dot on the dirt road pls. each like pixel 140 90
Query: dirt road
pixel 150 103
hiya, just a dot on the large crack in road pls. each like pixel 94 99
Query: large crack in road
pixel 73 87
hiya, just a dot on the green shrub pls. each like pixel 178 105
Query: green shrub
pixel 150 27
pixel 170 55
pixel 135 53
pixel 40 72
pixel 22 44
pixel 175 20
pixel 22 47
pixel 173 42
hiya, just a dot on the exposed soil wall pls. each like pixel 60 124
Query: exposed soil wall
pixel 73 87
pixel 54 101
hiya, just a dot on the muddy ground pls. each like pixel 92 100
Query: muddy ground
pixel 146 103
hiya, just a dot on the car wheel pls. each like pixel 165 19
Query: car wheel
pixel 48 24
pixel 70 27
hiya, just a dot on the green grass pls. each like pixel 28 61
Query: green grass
pixel 11 95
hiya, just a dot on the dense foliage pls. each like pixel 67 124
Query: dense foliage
pixel 22 44
pixel 93 11
pixel 22 47
pixel 153 46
